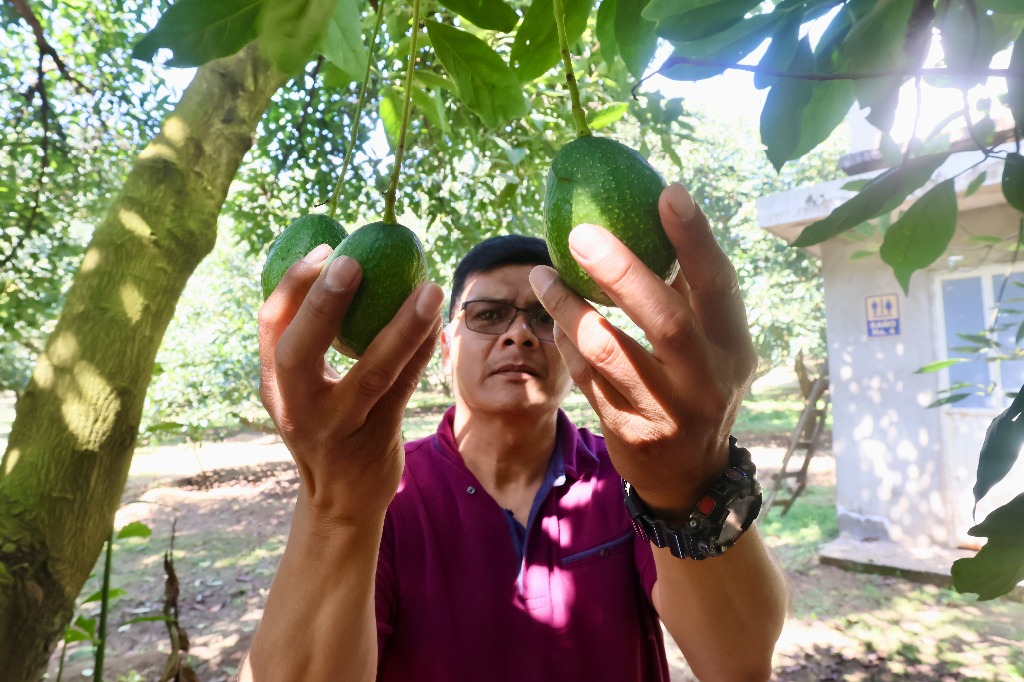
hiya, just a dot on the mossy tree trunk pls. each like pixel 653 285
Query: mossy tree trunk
pixel 74 433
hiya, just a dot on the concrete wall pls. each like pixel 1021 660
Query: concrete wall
pixel 888 447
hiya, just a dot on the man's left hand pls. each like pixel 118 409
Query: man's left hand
pixel 666 413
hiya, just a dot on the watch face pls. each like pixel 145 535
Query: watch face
pixel 739 512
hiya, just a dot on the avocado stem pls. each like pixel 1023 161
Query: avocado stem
pixel 392 194
pixel 578 114
pixel 354 128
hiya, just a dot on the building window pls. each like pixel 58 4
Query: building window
pixel 969 308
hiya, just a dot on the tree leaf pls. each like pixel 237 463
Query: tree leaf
pixel 490 14
pixel 390 110
pixel 333 77
pixel 954 398
pixel 999 566
pixel 198 31
pixel 884 193
pixel 1013 180
pixel 432 108
pixel 780 52
pixel 484 81
pixel 1015 85
pixel 941 364
pixel 290 30
pixel 635 37
pixel 1003 442
pixel 342 44
pixel 135 529
pixel 976 183
pixel 728 46
pixel 536 48
pixel 799 114
pixel 98 595
pixel 605 29
pixel 608 115
pixel 696 22
pixel 922 234
pixel 435 80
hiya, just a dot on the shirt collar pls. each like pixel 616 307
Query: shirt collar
pixel 574 457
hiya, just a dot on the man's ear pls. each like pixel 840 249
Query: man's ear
pixel 446 348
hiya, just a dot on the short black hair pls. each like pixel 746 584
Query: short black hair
pixel 494 253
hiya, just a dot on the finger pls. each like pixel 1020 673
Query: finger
pixel 388 356
pixel 300 351
pixel 393 403
pixel 600 393
pixel 662 312
pixel 279 309
pixel 714 289
pixel 609 351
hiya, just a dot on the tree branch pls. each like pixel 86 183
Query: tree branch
pixel 853 75
pixel 26 13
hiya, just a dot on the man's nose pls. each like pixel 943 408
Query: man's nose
pixel 520 331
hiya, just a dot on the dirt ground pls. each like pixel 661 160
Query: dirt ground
pixel 230 504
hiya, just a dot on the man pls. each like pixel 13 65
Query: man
pixel 507 553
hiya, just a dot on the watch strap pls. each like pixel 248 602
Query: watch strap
pixel 723 512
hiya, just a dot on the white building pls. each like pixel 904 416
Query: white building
pixel 905 472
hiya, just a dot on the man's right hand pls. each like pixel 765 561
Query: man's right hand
pixel 344 432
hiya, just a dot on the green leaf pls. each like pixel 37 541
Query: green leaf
pixel 693 23
pixel 484 81
pixel 884 193
pixel 999 566
pixel 536 48
pixel 436 80
pixel 342 44
pixel 726 47
pixel 608 115
pixel 799 114
pixel 198 31
pixel 490 14
pixel 290 30
pixel 432 107
pixel 87 625
pixel 966 34
pixel 955 398
pixel 1003 441
pixel 390 110
pixel 856 185
pixel 605 29
pixel 98 595
pixel 976 183
pixel 1013 180
pixel 922 234
pixel 334 77
pixel 635 37
pixel 135 529
pixel 780 52
pixel 148 619
pixel 941 364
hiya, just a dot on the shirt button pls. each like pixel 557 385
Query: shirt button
pixel 471 490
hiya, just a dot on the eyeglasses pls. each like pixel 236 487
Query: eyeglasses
pixel 495 317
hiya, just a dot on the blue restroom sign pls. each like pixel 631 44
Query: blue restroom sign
pixel 883 314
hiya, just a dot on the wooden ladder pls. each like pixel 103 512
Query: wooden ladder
pixel 804 443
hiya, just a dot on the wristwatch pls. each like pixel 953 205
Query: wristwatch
pixel 723 513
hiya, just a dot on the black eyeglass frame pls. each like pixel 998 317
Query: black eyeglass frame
pixel 531 314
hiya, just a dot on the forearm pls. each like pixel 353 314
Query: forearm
pixel 319 621
pixel 725 613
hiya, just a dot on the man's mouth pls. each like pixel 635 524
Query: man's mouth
pixel 516 369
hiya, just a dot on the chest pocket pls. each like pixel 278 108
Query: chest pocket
pixel 611 548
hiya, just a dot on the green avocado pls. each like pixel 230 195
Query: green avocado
pixel 393 264
pixel 302 236
pixel 600 181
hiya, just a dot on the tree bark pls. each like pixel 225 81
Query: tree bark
pixel 76 423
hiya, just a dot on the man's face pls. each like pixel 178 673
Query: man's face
pixel 508 373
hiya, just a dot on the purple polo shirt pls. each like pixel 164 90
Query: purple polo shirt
pixel 465 593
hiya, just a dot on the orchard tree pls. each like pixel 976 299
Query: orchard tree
pixel 491 107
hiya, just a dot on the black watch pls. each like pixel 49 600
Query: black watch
pixel 723 513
